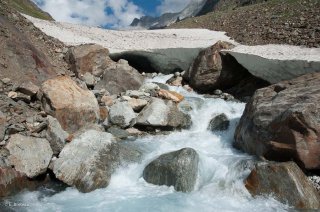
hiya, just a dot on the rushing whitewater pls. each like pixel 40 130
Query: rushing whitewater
pixel 219 187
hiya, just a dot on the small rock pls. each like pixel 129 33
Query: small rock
pixel 171 95
pixel 176 82
pixel 107 100
pixel 89 79
pixel 122 115
pixel 6 80
pixel 28 88
pixel 118 132
pixel 137 104
pixel 12 94
pixel 217 92
pixel 136 94
pixel 150 88
pixel 17 96
pixel 134 131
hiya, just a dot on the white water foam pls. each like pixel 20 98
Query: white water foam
pixel 219 187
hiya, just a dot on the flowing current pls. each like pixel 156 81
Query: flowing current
pixel 221 173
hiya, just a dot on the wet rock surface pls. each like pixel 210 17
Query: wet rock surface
pixel 286 182
pixel 178 169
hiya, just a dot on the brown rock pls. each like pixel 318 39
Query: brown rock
pixel 286 182
pixel 120 77
pixel 73 106
pixel 282 122
pixel 107 100
pixel 90 58
pixel 206 69
pixel 171 95
pixel 137 104
pixel 104 113
pixel 12 181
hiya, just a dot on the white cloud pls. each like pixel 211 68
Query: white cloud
pixel 172 6
pixel 112 13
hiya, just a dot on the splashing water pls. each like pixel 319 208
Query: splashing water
pixel 219 186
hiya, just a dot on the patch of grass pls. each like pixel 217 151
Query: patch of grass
pixel 29 8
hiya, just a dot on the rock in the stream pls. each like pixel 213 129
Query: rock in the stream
pixel 122 115
pixel 88 162
pixel 29 155
pixel 219 123
pixel 120 77
pixel 56 135
pixel 205 71
pixel 282 122
pixel 161 113
pixel 178 169
pixel 89 58
pixel 73 106
pixel 286 182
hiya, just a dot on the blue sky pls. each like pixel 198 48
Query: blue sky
pixel 108 13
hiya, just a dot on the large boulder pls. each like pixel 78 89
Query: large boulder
pixel 122 115
pixel 89 160
pixel 178 169
pixel 29 155
pixel 205 71
pixel 73 106
pixel 213 70
pixel 286 182
pixel 162 113
pixel 282 122
pixel 120 77
pixel 88 58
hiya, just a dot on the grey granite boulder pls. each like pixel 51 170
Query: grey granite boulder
pixel 219 123
pixel 88 162
pixel 178 169
pixel 162 113
pixel 121 114
pixel 29 155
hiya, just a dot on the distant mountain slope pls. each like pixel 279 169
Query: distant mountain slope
pixel 29 8
pixel 295 22
pixel 193 9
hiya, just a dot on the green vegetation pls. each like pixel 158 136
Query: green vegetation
pixel 29 8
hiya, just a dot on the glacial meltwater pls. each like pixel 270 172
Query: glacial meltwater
pixel 219 186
